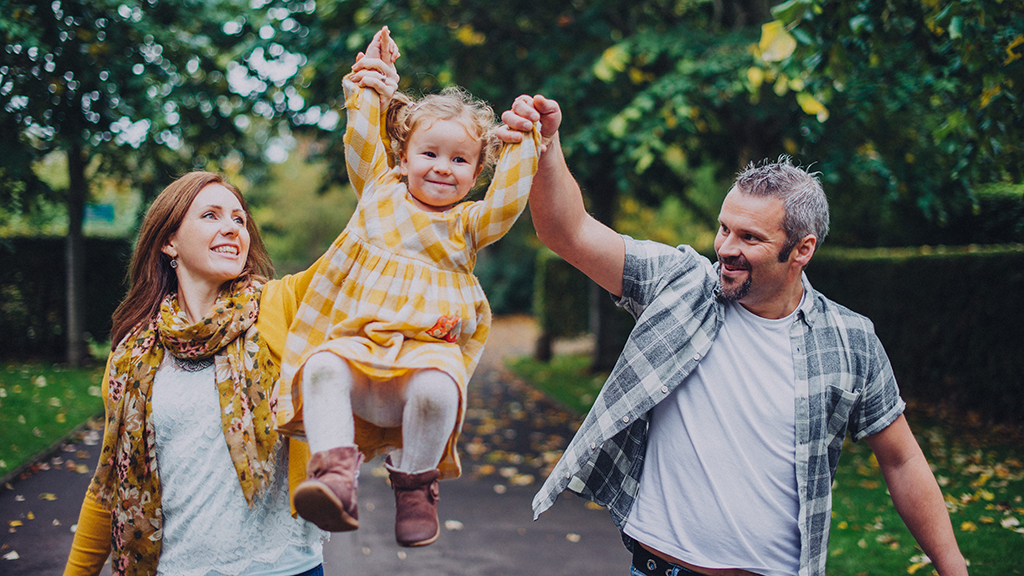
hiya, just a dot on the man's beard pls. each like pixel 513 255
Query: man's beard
pixel 735 293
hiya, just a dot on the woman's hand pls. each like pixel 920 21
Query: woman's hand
pixel 376 67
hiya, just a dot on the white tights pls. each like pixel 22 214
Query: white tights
pixel 424 402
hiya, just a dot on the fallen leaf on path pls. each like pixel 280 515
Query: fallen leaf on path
pixel 12 555
pixel 572 537
pixel 48 496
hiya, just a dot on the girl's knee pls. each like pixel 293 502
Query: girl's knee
pixel 325 367
pixel 433 384
pixel 433 391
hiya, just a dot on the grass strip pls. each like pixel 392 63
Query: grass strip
pixel 39 405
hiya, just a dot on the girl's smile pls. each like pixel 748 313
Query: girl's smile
pixel 441 162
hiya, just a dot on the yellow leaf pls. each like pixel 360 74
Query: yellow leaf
pixel 915 567
pixel 468 36
pixel 781 85
pixel 49 496
pixel 842 525
pixel 810 105
pixel 755 76
pixel 613 60
pixel 988 94
pixel 15 523
pixel 776 44
pixel 675 157
pixel 30 516
pixel 1010 54
pixel 617 126
pixel 968 526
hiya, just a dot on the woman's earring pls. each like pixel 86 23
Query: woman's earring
pixel 174 263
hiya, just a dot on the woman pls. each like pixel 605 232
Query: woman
pixel 192 478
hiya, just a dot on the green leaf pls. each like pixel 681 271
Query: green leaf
pixel 860 22
pixel 955 27
pixel 791 11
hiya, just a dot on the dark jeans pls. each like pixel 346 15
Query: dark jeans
pixel 317 571
pixel 647 564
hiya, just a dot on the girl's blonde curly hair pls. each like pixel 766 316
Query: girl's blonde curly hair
pixel 453 103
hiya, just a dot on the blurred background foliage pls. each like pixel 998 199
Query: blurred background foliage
pixel 910 110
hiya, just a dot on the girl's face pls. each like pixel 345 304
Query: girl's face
pixel 212 242
pixel 441 161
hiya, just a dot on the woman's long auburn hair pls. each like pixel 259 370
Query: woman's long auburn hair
pixel 150 274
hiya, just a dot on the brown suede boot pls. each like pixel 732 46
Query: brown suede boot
pixel 327 497
pixel 416 497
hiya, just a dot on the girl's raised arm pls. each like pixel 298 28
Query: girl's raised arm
pixel 506 197
pixel 368 91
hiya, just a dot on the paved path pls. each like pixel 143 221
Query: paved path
pixel 511 437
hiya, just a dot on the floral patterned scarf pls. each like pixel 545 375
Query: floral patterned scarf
pixel 127 479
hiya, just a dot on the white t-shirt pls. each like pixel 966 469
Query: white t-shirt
pixel 208 528
pixel 718 488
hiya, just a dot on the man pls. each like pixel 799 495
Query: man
pixel 715 440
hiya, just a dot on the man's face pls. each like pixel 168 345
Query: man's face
pixel 749 241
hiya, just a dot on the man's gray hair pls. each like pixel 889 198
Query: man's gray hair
pixel 804 201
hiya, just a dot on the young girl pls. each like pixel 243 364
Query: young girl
pixel 394 323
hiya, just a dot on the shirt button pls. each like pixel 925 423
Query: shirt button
pixel 568 475
pixel 593 445
pixel 696 356
pixel 664 389
pixel 625 418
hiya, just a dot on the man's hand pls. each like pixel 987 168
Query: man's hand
pixel 376 67
pixel 524 112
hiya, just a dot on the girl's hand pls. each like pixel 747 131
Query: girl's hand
pixel 376 67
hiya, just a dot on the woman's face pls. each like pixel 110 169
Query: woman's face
pixel 212 243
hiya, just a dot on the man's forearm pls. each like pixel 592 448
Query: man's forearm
pixel 556 203
pixel 919 502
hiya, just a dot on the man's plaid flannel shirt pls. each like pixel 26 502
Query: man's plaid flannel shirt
pixel 843 382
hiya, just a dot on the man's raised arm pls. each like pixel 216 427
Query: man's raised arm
pixel 556 202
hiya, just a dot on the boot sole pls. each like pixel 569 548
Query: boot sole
pixel 421 542
pixel 318 504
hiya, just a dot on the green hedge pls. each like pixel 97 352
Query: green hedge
pixel 951 319
pixel 32 293
pixel 561 297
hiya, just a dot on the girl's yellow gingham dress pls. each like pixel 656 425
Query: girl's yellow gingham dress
pixel 396 290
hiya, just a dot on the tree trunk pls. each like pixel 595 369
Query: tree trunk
pixel 77 188
pixel 603 314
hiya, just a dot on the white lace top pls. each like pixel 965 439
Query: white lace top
pixel 209 528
